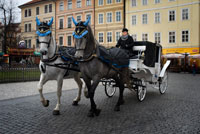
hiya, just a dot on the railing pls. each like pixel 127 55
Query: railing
pixel 19 74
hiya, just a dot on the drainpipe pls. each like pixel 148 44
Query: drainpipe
pixel 124 10
pixel 94 18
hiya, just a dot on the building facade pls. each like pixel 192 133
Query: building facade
pixel 44 10
pixel 65 10
pixel 175 24
pixel 109 21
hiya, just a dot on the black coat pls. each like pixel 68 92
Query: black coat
pixel 126 44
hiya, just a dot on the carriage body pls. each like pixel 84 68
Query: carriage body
pixel 146 68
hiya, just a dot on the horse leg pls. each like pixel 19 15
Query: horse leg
pixel 91 91
pixel 56 110
pixel 121 99
pixel 79 83
pixel 86 91
pixel 42 81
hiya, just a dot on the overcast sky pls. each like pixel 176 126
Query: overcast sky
pixel 20 2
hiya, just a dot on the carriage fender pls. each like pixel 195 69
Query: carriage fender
pixel 162 73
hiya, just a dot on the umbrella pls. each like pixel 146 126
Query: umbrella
pixel 174 55
pixel 196 56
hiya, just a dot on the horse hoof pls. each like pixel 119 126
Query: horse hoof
pixel 90 114
pixel 47 104
pixel 56 112
pixel 97 112
pixel 117 108
pixel 75 103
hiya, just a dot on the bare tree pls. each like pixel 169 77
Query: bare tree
pixel 7 17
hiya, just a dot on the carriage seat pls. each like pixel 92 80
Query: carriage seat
pixel 138 50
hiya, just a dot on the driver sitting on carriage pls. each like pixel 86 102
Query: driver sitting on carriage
pixel 126 42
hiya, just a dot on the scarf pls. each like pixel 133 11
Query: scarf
pixel 124 37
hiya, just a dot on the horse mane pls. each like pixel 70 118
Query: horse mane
pixel 91 42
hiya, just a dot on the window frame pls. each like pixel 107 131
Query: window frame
pixel 169 37
pixel 146 19
pixel 102 37
pixel 116 16
pixel 102 18
pixel 107 17
pixel 174 15
pixel 111 37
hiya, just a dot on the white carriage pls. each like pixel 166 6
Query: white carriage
pixel 146 68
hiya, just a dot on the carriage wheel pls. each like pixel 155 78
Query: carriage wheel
pixel 141 90
pixel 163 84
pixel 110 88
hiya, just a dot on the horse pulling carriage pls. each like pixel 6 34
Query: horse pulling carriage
pixel 95 64
pixel 145 67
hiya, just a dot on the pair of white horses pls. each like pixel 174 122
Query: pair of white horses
pixel 48 50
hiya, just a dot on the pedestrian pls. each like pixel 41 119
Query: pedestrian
pixel 194 67
pixel 126 42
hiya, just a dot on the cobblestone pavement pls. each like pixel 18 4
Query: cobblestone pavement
pixel 175 112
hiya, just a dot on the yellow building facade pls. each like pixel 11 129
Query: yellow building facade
pixel 175 24
pixel 108 21
pixel 44 10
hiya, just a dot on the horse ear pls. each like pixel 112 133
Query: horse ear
pixel 87 22
pixel 50 22
pixel 38 21
pixel 75 23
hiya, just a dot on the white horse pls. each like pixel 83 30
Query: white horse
pixel 48 50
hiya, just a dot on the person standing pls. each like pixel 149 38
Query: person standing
pixel 126 42
pixel 194 66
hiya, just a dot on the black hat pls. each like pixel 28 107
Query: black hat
pixel 124 30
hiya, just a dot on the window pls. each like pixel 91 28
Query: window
pixel 50 8
pixel 69 4
pixel 117 36
pixel 100 2
pixel 134 20
pixel 46 9
pixel 134 37
pixel 61 6
pixel 60 40
pixel 133 3
pixel 29 43
pixel 109 17
pixel 69 40
pixel 109 1
pixel 118 1
pixel 157 38
pixel 145 37
pixel 157 17
pixel 185 14
pixel 157 1
pixel 29 12
pixel 144 2
pixel 144 19
pixel 26 13
pixel 26 28
pixel 69 22
pixel 100 37
pixel 29 27
pixel 87 16
pixel 100 18
pixel 78 3
pixel 109 36
pixel 172 15
pixel 118 16
pixel 185 36
pixel 172 37
pixel 61 24
pixel 37 43
pixel 26 43
pixel 88 3
pixel 78 18
pixel 37 10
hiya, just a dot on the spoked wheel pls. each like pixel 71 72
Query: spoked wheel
pixel 163 84
pixel 110 88
pixel 141 90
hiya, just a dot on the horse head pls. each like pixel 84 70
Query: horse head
pixel 81 36
pixel 44 35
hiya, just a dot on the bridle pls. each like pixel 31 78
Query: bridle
pixel 48 43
